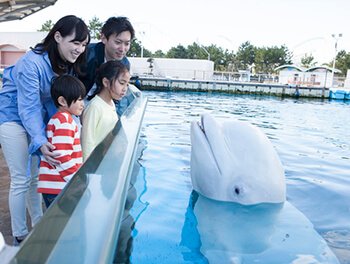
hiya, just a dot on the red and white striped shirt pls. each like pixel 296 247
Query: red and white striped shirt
pixel 62 132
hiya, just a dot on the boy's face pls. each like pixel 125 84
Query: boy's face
pixel 77 107
pixel 116 46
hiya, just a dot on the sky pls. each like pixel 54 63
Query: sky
pixel 304 26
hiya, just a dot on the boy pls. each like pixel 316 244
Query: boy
pixel 68 95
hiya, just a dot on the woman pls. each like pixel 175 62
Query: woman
pixel 26 107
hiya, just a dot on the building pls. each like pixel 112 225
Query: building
pixel 174 68
pixel 319 76
pixel 14 44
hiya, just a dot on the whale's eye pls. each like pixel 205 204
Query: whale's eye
pixel 237 190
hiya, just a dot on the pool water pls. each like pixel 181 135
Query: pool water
pixel 312 138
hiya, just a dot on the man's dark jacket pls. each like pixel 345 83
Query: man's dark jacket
pixel 94 58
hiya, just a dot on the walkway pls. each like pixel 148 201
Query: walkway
pixel 5 220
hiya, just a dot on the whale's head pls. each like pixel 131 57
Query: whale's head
pixel 234 161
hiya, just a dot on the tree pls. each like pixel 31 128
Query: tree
pixel 178 52
pixel 159 54
pixel 268 58
pixel 307 61
pixel 135 49
pixel 229 59
pixel 245 56
pixel 194 51
pixel 95 27
pixel 342 62
pixel 47 26
pixel 150 61
pixel 217 56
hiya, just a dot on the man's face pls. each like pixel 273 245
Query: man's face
pixel 116 46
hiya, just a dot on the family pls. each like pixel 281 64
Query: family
pixel 57 103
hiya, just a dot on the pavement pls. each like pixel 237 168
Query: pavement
pixel 5 219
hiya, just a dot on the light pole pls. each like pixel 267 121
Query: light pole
pixel 335 53
pixel 200 45
pixel 142 33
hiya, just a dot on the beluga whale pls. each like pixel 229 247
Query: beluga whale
pixel 234 161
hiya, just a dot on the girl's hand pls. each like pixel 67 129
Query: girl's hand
pixel 47 149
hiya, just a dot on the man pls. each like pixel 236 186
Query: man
pixel 116 36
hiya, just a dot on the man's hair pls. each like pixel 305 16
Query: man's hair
pixel 71 88
pixel 116 25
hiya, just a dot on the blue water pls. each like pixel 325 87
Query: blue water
pixel 312 138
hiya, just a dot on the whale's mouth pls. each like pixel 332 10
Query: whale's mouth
pixel 200 125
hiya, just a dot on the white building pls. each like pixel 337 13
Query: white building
pixel 174 68
pixel 319 76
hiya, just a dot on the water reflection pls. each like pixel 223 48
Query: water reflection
pixel 221 231
pixel 226 232
pixel 125 240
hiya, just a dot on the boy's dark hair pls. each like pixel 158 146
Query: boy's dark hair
pixel 110 70
pixel 71 88
pixel 116 25
pixel 66 26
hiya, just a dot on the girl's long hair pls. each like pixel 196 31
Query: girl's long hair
pixel 110 70
pixel 65 26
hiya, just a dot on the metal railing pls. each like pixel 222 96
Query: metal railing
pixel 241 76
pixel 83 223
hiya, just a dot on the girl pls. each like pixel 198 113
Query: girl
pixel 100 116
pixel 26 107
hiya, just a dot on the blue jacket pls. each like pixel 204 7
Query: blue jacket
pixel 25 97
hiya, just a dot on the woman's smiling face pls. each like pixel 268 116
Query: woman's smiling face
pixel 68 48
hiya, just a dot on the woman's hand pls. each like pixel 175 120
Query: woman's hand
pixel 50 156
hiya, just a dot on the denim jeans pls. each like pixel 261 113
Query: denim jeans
pixel 14 141
pixel 49 198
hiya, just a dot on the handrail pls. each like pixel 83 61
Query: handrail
pixel 83 223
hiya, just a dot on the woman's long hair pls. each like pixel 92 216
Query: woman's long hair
pixel 65 26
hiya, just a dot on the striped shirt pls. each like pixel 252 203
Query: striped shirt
pixel 62 132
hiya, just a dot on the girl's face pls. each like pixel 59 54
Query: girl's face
pixel 119 87
pixel 68 49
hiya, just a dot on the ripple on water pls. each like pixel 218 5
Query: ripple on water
pixel 339 242
pixel 311 137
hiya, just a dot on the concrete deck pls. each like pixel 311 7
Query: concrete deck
pixel 231 87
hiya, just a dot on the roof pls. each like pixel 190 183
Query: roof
pixel 19 9
pixel 302 69
pixel 12 45
pixel 289 67
pixel 323 68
